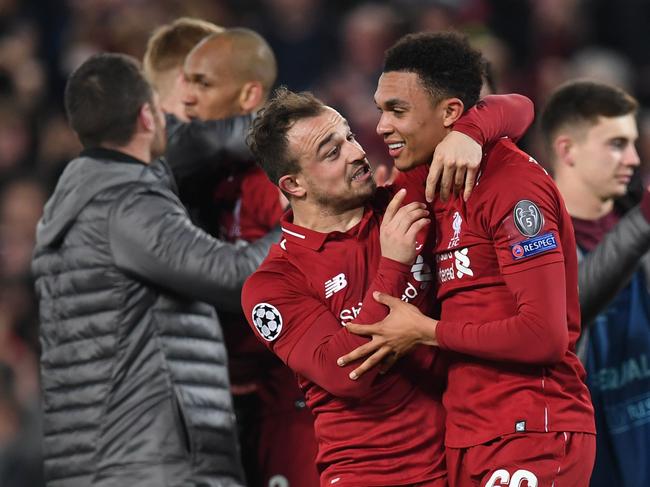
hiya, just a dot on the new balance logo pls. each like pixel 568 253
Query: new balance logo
pixel 335 284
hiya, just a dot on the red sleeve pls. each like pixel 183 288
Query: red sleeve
pixel 523 226
pixel 497 116
pixel 537 334
pixel 305 334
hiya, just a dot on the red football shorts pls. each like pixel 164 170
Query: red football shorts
pixel 525 460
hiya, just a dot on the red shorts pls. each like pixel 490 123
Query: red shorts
pixel 525 460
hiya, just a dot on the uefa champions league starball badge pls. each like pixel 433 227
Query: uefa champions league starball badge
pixel 267 320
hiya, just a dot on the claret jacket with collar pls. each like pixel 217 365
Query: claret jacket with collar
pixel 134 370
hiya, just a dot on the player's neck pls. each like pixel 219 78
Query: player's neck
pixel 326 220
pixel 134 148
pixel 581 202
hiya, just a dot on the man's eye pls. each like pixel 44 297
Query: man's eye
pixel 333 152
pixel 351 137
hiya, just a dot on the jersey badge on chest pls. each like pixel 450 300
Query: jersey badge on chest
pixel 456 225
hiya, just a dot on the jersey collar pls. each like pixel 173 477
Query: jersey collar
pixel 315 240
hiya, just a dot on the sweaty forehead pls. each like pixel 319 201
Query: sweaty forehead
pixel 306 134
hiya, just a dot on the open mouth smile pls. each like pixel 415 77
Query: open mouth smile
pixel 362 173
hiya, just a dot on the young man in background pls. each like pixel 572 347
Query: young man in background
pixel 591 129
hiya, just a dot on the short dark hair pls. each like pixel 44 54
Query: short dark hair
pixel 103 98
pixel 268 135
pixel 582 102
pixel 445 63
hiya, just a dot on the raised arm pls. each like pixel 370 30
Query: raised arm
pixel 193 146
pixel 457 158
pixel 152 237
pixel 497 116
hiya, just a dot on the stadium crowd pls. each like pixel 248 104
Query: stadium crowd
pixel 333 48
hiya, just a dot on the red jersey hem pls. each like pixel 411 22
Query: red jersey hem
pixel 467 443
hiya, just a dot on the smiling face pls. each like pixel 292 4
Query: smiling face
pixel 334 175
pixel 604 156
pixel 410 124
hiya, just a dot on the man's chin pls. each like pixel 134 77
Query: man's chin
pixel 361 198
pixel 405 164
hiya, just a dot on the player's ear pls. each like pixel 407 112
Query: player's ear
pixel 452 109
pixel 251 96
pixel 292 185
pixel 146 117
pixel 564 149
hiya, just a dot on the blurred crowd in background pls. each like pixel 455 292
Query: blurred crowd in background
pixel 334 48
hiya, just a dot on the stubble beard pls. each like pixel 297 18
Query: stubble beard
pixel 355 200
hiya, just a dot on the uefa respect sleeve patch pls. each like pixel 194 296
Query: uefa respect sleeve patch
pixel 533 246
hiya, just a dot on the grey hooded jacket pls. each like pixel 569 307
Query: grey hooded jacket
pixel 134 370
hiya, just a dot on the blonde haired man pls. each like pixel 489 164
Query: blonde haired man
pixel 163 60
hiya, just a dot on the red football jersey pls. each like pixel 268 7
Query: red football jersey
pixel 380 429
pixel 251 205
pixel 507 273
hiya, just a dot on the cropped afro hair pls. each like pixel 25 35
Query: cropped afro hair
pixel 445 63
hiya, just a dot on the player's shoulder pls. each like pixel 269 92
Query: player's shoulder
pixel 275 270
pixel 510 167
pixel 512 179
